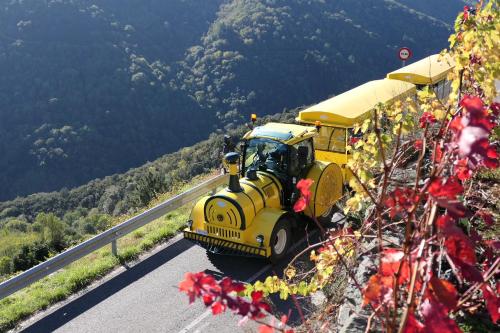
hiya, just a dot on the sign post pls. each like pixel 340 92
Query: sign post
pixel 404 54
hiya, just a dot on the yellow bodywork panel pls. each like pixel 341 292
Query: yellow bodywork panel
pixel 239 217
pixel 356 105
pixel 340 159
pixel 429 70
pixel 326 188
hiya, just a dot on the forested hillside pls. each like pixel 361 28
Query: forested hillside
pixel 90 88
pixel 84 90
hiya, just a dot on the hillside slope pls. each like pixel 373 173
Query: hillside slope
pixel 90 88
pixel 84 88
pixel 260 56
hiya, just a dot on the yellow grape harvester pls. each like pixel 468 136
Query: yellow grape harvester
pixel 254 215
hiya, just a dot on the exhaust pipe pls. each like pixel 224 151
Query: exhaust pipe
pixel 231 160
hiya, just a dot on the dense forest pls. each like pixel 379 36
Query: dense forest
pixel 91 88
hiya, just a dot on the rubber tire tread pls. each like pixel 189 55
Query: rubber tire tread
pixel 283 223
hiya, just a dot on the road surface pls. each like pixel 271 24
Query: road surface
pixel 144 297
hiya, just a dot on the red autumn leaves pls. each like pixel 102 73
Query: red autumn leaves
pixel 466 148
pixel 427 119
pixel 401 200
pixel 440 296
pixel 472 128
pixel 305 195
pixel 222 295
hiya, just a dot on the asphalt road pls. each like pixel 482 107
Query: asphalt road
pixel 144 297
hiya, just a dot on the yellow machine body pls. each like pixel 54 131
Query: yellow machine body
pixel 234 220
pixel 242 219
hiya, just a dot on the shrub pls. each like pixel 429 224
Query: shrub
pixel 30 255
pixel 5 265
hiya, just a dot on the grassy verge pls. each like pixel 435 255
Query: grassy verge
pixel 83 272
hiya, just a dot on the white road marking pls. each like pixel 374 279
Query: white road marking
pixel 196 321
pixel 249 280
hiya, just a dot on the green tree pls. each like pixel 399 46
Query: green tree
pixel 53 230
pixel 5 265
pixel 17 225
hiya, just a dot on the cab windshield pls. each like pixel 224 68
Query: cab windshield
pixel 266 154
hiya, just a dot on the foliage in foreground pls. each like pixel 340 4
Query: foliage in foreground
pixel 444 271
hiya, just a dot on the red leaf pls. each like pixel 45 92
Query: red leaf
pixel 217 308
pixel 208 299
pixel 449 188
pixel 303 186
pixel 477 114
pixel 469 272
pixel 466 13
pixel 188 285
pixel 485 153
pixel 492 302
pixel 300 205
pixel 413 325
pixel 462 169
pixel 427 118
pixel 445 293
pixel 436 318
pixel 227 286
pixel 457 124
pixel 418 144
pixel 446 224
pixel 459 246
pixel 400 200
pixel 257 296
pixel 378 290
pixel 353 141
pixel 266 329
pixel 391 262
pixel 194 284
pixel 472 103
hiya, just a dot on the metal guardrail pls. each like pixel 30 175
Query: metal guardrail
pixel 109 236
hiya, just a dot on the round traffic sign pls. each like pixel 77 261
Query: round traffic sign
pixel 404 53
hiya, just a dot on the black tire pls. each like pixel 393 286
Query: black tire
pixel 281 233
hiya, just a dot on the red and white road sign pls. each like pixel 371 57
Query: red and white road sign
pixel 404 53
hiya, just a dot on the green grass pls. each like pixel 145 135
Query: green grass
pixel 83 272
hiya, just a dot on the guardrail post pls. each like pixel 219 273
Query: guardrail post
pixel 114 248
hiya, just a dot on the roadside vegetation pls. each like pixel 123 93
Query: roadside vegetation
pixel 41 225
pixel 83 272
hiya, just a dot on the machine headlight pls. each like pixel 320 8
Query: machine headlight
pixel 260 239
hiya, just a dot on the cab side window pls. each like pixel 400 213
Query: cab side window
pixel 295 168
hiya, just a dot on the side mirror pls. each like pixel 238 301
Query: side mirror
pixel 302 154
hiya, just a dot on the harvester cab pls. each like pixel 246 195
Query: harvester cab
pixel 254 215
